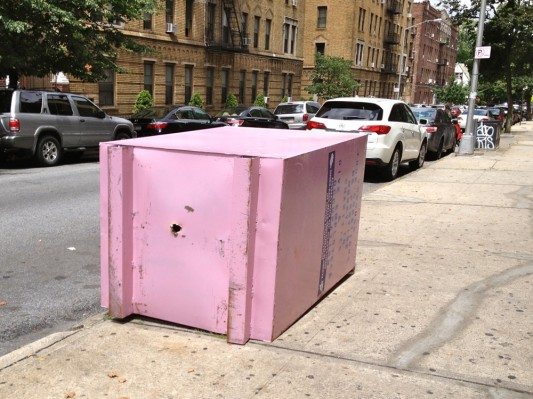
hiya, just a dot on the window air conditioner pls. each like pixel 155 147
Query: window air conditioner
pixel 266 99
pixel 294 3
pixel 171 28
pixel 289 99
pixel 382 66
pixel 372 65
pixel 245 41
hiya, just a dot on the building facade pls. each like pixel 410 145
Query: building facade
pixel 367 32
pixel 211 48
pixel 433 53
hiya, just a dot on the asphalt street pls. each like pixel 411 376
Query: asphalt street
pixel 49 249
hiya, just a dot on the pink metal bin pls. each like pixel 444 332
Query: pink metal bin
pixel 232 230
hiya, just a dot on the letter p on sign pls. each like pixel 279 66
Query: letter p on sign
pixel 482 52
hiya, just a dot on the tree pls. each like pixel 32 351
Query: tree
pixel 332 77
pixel 144 100
pixel 453 93
pixel 231 101
pixel 509 32
pixel 77 37
pixel 196 100
pixel 260 100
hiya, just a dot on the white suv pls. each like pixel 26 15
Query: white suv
pixel 296 113
pixel 394 135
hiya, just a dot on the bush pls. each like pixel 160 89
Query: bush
pixel 196 101
pixel 144 100
pixel 231 101
pixel 260 100
pixel 284 99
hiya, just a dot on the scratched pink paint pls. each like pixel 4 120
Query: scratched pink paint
pixel 233 230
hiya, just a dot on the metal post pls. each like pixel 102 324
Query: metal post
pixel 466 146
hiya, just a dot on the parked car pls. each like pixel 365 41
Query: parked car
pixel 172 119
pixel 45 124
pixel 296 113
pixel 254 116
pixel 439 128
pixel 394 135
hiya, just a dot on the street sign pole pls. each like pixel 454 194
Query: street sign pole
pixel 466 146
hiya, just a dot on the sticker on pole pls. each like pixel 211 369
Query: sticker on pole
pixel 482 52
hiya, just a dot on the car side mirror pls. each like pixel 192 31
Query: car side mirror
pixel 423 121
pixel 100 114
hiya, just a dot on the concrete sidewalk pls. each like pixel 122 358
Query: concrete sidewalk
pixel 439 306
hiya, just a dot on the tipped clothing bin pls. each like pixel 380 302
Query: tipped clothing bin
pixel 233 230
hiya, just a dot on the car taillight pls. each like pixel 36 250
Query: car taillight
pixel 379 129
pixel 234 122
pixel 14 125
pixel 305 117
pixel 315 125
pixel 157 125
pixel 431 129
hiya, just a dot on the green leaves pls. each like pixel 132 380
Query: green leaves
pixel 77 36
pixel 332 77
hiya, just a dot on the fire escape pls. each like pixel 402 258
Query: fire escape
pixel 391 38
pixel 442 62
pixel 231 37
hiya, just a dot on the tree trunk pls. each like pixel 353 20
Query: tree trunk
pixel 13 79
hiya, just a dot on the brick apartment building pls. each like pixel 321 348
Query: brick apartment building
pixel 433 53
pixel 210 47
pixel 248 47
pixel 368 32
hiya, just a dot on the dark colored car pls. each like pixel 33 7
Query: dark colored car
pixel 439 128
pixel 172 119
pixel 251 117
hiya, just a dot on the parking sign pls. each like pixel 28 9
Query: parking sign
pixel 482 52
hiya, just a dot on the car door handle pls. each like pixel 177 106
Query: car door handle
pixel 82 120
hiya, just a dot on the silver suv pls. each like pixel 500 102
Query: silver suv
pixel 296 113
pixel 47 123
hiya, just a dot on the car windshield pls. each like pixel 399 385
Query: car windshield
pixel 424 113
pixel 5 100
pixel 289 109
pixel 350 110
pixel 495 111
pixel 231 111
pixel 480 112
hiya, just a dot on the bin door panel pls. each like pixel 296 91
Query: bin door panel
pixel 181 227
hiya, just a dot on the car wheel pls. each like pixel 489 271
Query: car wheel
pixel 391 170
pixel 438 154
pixel 419 162
pixel 454 144
pixel 49 152
pixel 122 136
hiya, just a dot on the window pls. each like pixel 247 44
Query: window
pixel 225 26
pixel 283 85
pixel 188 83
pixel 149 77
pixel 359 50
pixel 266 83
pixel 242 86
pixel 210 28
pixel 58 104
pixel 224 77
pixel 289 36
pixel 244 24
pixel 397 114
pixel 86 108
pixel 289 85
pixel 348 110
pixel 257 22
pixel 106 89
pixel 200 115
pixel 188 17
pixel 320 48
pixel 209 83
pixel 361 22
pixel 368 55
pixel 30 102
pixel 147 21
pixel 169 11
pixel 169 84
pixel 322 16
pixel 254 85
pixel 268 27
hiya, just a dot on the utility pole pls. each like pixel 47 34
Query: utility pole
pixel 466 146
